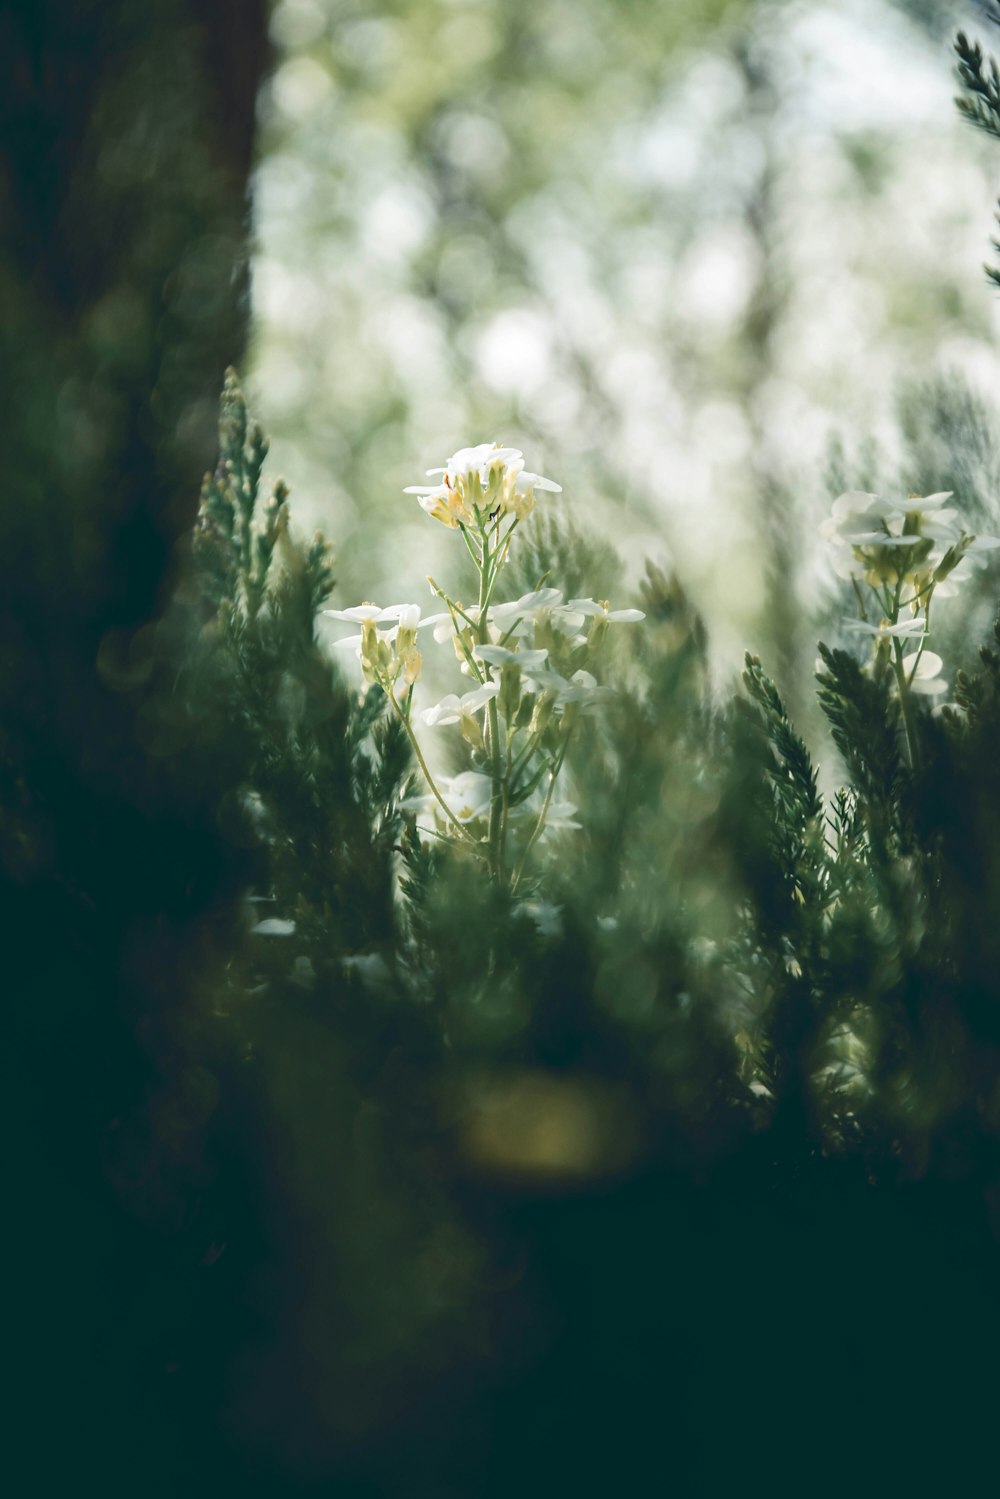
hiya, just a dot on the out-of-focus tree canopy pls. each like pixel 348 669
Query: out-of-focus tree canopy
pixel 667 249
pixel 342 1162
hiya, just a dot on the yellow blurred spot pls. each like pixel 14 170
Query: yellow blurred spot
pixel 546 1126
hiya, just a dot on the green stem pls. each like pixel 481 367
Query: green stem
pixel 923 639
pixel 916 660
pixel 456 610
pixel 500 557
pixel 862 611
pixel 909 728
pixel 452 607
pixel 472 551
pixel 905 701
pixel 540 824
pixel 449 814
pixel 493 722
pixel 524 755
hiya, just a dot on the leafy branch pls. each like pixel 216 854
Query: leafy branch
pixel 980 77
pixel 980 104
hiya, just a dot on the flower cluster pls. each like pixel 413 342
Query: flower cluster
pixel 529 660
pixel 387 645
pixel 480 484
pixel 899 556
pixel 914 546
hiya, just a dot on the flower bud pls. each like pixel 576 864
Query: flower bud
pixel 510 692
pixel 369 650
pixel 542 716
pixel 412 662
pixel 950 560
pixel 597 632
pixel 525 711
pixel 463 644
pixel 470 731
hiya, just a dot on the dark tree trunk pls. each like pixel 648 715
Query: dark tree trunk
pixel 126 141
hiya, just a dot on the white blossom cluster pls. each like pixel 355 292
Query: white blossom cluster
pixel 528 659
pixel 480 483
pixel 900 555
pixel 387 651
pixel 919 542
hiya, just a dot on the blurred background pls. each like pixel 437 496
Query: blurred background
pixel 671 251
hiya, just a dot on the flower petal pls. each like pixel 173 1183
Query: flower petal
pixel 499 655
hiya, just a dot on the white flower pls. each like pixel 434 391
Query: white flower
pixel 602 610
pixel 885 541
pixel 844 562
pixel 469 486
pixel 385 653
pixel 980 544
pixel 444 629
pixel 922 673
pixel 881 539
pixel 553 613
pixel 952 581
pixel 918 504
pixel 854 505
pixel 523 611
pixel 587 689
pixel 941 528
pixel 546 916
pixel 455 709
pixel 528 606
pixel 467 796
pixel 442 503
pixel 274 926
pixel 560 818
pixel 478 484
pixel 478 462
pixel 905 629
pixel 396 616
pixel 860 505
pixel 918 541
pixel 364 613
pixel 580 688
pixel 971 553
pixel 519 491
pixel 500 655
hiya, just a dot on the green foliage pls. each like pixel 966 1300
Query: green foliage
pixel 793 775
pixel 234 545
pixel 980 103
pixel 720 950
pixel 980 77
pixel 719 938
pixel 864 720
pixel 315 773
